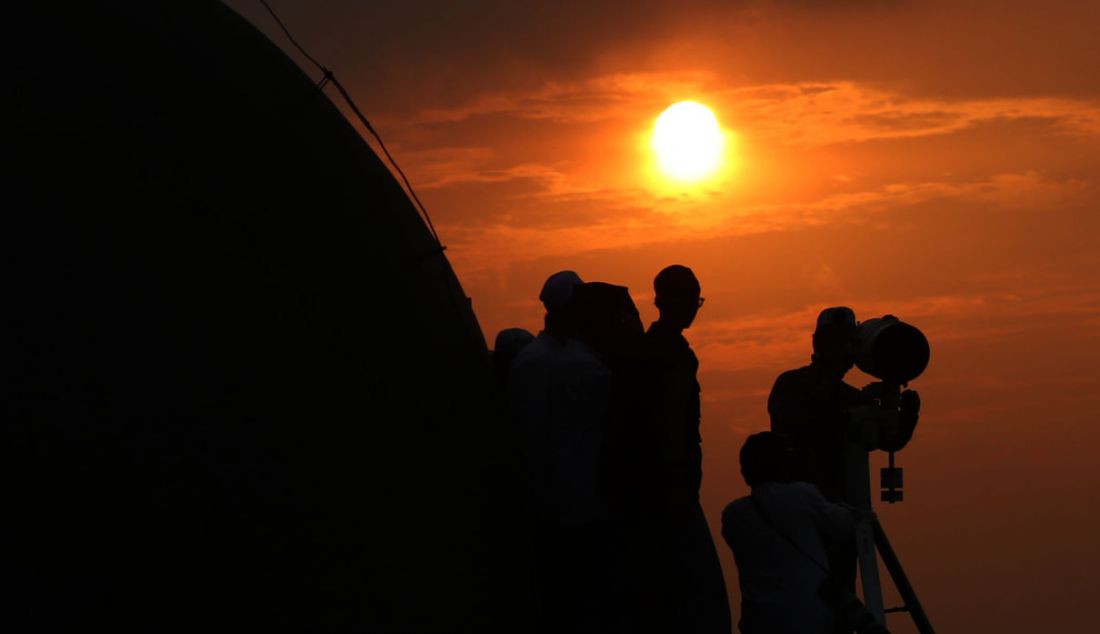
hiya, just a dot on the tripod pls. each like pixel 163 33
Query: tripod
pixel 871 536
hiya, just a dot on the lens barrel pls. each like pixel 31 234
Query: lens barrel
pixel 891 350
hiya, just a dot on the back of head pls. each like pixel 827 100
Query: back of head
pixel 677 296
pixel 511 340
pixel 765 457
pixel 557 290
pixel 676 281
pixel 606 314
pixel 833 336
pixel 557 297
pixel 836 319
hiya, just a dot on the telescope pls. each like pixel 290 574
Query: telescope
pixel 895 353
pixel 891 350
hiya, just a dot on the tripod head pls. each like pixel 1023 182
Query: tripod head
pixel 887 422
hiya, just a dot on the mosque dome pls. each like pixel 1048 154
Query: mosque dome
pixel 241 384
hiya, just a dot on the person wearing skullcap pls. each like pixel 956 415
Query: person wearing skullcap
pixel 552 422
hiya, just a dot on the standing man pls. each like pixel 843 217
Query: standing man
pixel 560 395
pixel 681 587
pixel 677 390
pixel 529 386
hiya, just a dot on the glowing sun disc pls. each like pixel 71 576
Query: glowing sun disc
pixel 687 141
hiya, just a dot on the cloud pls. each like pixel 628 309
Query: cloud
pixel 1019 190
pixel 515 179
pixel 614 220
pixel 763 338
pixel 800 114
pixel 453 166
pixel 446 53
pixel 742 354
pixel 595 99
pixel 817 114
pixel 1027 190
pixel 532 150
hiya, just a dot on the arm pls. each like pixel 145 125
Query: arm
pixel 835 521
pixel 671 413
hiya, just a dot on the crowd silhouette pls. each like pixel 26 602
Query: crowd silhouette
pixel 607 419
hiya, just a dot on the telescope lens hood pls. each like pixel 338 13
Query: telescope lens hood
pixel 891 350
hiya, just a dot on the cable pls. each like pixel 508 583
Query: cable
pixel 291 37
pixel 330 77
pixel 400 172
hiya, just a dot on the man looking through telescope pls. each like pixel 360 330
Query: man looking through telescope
pixel 833 425
pixel 828 419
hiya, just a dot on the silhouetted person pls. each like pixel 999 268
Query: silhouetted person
pixel 678 301
pixel 779 536
pixel 670 573
pixel 811 405
pixel 608 321
pixel 580 401
pixel 560 395
pixel 822 415
pixel 529 387
pixel 509 342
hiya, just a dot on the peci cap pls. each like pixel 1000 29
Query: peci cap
pixel 557 291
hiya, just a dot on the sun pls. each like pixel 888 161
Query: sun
pixel 688 142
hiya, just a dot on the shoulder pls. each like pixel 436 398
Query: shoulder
pixel 667 348
pixel 578 356
pixel 736 509
pixel 543 346
pixel 792 380
pixel 789 494
pixel 797 375
pixel 804 490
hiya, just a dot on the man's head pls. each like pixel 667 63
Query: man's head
pixel 766 457
pixel 557 297
pixel 677 296
pixel 510 341
pixel 508 344
pixel 607 318
pixel 833 339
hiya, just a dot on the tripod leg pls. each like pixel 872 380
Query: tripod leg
pixel 859 495
pixel 893 565
pixel 868 570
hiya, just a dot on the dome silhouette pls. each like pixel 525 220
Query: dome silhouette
pixel 242 384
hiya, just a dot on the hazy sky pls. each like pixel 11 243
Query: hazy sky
pixel 934 160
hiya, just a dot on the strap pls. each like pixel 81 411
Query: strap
pixel 767 520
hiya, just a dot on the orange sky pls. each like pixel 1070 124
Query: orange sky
pixel 931 160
